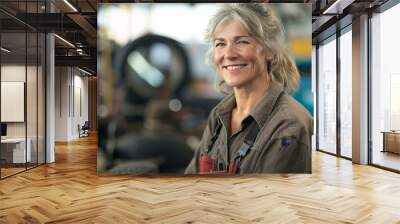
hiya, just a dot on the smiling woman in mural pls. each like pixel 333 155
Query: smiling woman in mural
pixel 258 127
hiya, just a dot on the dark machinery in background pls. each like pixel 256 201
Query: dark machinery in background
pixel 151 67
pixel 152 120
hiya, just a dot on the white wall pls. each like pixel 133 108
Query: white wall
pixel 61 103
pixel 71 94
pixel 12 73
pixel 12 100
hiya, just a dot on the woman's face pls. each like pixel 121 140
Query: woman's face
pixel 239 58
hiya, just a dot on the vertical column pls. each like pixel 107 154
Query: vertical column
pixel 62 102
pixel 50 93
pixel 360 90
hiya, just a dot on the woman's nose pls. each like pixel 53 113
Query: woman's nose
pixel 230 52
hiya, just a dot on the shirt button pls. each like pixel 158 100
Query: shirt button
pixel 286 141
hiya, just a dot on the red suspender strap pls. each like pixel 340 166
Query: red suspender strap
pixel 233 166
pixel 206 165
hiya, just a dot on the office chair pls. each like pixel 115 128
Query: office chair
pixel 84 130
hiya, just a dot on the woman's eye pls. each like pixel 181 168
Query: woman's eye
pixel 243 42
pixel 219 44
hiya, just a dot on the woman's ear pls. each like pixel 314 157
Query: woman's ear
pixel 269 66
pixel 268 59
pixel 268 55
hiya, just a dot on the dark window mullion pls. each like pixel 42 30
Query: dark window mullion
pixel 26 86
pixel 316 97
pixel 369 90
pixel 338 73
pixel 37 90
pixel 45 87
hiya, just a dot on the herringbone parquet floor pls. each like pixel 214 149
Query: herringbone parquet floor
pixel 70 191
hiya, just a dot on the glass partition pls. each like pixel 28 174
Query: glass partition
pixel 385 89
pixel 346 94
pixel 327 96
pixel 22 77
pixel 14 151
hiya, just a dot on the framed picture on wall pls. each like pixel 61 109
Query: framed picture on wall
pixel 12 101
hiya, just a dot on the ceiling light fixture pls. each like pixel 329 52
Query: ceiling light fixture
pixel 329 9
pixel 70 5
pixel 64 40
pixel 84 71
pixel 337 7
pixel 5 49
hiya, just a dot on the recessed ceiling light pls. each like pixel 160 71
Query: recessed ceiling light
pixel 5 49
pixel 337 7
pixel 84 71
pixel 64 40
pixel 70 5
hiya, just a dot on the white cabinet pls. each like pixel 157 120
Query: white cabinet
pixel 18 146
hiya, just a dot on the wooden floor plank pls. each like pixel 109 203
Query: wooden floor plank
pixel 70 191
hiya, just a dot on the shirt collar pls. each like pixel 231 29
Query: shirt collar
pixel 263 108
pixel 227 105
pixel 267 103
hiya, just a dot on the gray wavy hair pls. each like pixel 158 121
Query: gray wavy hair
pixel 261 23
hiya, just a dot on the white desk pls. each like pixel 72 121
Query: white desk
pixel 391 141
pixel 18 145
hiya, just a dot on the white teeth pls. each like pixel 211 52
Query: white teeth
pixel 234 67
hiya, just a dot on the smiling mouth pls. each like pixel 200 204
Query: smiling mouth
pixel 234 67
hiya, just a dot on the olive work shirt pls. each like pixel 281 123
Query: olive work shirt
pixel 283 144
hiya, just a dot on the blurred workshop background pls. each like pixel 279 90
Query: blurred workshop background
pixel 155 89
